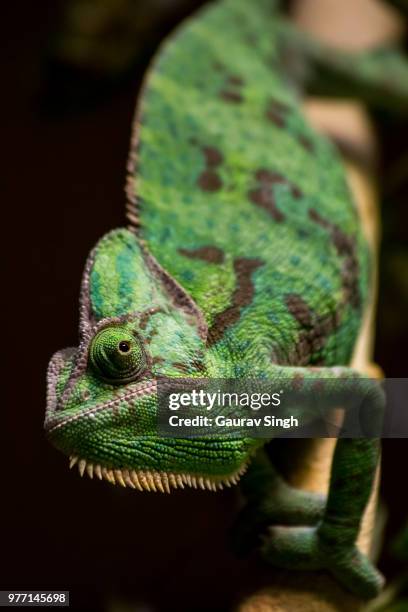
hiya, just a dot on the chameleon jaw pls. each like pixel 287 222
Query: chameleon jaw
pixel 147 480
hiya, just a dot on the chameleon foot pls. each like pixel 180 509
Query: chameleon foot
pixel 301 548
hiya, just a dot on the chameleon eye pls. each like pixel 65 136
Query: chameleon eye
pixel 117 355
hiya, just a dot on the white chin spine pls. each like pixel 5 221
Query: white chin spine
pixel 162 482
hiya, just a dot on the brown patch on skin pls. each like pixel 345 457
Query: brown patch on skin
pixel 281 106
pixel 187 368
pixel 181 366
pixel 231 91
pixel 346 247
pixel 211 254
pixel 275 178
pixel 276 118
pixel 231 96
pixel 350 275
pixel 314 215
pixel 306 143
pixel 267 176
pixel 241 297
pixel 296 192
pixel 315 331
pixel 209 181
pixel 213 156
pixel 264 198
pixel 263 195
pixel 233 79
pixel 157 360
pixel 299 309
pixel 276 112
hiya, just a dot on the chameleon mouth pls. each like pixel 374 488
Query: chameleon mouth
pixel 147 480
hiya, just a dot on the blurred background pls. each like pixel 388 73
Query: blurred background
pixel 70 76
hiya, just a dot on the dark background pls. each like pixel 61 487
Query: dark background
pixel 65 134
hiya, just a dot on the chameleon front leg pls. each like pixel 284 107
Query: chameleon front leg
pixel 271 500
pixel 331 543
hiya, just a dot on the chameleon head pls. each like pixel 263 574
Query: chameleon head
pixel 136 324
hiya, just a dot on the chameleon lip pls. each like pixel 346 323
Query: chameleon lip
pixel 156 481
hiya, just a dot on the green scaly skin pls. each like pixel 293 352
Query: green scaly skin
pixel 245 257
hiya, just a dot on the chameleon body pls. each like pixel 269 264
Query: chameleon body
pixel 244 257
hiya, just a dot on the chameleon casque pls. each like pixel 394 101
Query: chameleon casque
pixel 244 257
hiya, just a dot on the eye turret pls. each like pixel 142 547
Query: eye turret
pixel 117 355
